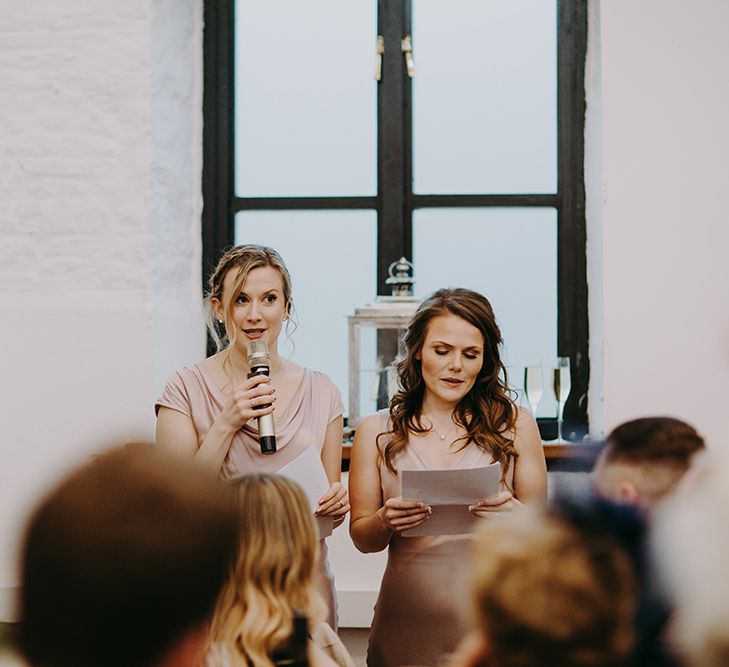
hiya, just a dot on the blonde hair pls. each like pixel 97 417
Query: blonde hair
pixel 243 259
pixel 272 578
pixel 545 593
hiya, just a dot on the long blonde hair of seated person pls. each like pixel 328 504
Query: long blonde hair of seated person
pixel 272 578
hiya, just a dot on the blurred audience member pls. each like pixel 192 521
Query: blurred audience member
pixel 644 459
pixel 272 581
pixel 549 593
pixel 122 563
pixel 691 540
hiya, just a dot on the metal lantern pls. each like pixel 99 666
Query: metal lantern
pixel 385 312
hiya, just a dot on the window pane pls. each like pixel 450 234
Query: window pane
pixel 331 256
pixel 484 96
pixel 509 255
pixel 305 98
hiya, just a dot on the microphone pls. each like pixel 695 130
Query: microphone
pixel 259 363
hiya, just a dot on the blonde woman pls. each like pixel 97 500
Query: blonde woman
pixel 207 411
pixel 272 580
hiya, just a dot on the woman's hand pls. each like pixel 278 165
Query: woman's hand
pixel 399 515
pixel 335 502
pixel 501 502
pixel 246 400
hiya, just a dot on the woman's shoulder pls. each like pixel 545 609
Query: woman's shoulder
pixel 526 431
pixel 375 423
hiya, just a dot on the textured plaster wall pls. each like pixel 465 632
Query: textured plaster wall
pixel 100 143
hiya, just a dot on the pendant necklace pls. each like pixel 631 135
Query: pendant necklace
pixel 437 431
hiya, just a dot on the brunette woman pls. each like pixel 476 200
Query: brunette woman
pixel 453 410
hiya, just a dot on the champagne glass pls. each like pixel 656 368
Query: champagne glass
pixel 533 387
pixel 562 387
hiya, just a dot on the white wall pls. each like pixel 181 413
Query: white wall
pixel 99 232
pixel 660 188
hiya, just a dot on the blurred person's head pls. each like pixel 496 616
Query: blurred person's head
pixel 547 593
pixel 691 545
pixel 644 459
pixel 122 563
pixel 272 578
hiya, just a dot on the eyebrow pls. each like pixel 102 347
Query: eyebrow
pixel 477 348
pixel 266 293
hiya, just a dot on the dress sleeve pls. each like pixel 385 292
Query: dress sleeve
pixel 336 406
pixel 175 395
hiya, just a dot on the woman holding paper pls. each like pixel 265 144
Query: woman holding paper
pixel 453 411
pixel 208 411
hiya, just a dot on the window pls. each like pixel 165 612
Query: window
pixel 466 156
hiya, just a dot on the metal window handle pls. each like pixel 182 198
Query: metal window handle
pixel 378 60
pixel 407 49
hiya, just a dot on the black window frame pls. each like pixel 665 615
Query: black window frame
pixel 395 200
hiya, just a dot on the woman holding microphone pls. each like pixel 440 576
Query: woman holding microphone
pixel 210 410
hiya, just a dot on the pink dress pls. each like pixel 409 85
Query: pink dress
pixel 423 609
pixel 315 404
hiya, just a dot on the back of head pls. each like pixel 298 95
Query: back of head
pixel 272 578
pixel 549 594
pixel 122 559
pixel 649 456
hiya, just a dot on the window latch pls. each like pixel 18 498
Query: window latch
pixel 378 57
pixel 407 49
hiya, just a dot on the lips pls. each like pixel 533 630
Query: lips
pixel 452 382
pixel 254 333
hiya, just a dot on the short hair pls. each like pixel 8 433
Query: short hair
pixel 547 593
pixel 662 440
pixel 651 452
pixel 121 559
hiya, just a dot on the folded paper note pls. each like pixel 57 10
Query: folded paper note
pixel 308 472
pixel 449 494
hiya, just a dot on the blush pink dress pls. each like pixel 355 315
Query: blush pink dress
pixel 423 608
pixel 315 404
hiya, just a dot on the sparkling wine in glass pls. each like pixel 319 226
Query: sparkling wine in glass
pixel 533 387
pixel 562 387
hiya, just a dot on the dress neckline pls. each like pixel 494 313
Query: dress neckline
pixel 280 418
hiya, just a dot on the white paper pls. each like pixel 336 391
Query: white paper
pixel 449 494
pixel 308 472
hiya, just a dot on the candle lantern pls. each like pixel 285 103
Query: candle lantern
pixel 385 312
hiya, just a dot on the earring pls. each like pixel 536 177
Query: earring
pixel 220 321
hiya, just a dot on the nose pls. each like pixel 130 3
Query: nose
pixel 253 314
pixel 455 362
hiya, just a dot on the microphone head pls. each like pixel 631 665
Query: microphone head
pixel 258 353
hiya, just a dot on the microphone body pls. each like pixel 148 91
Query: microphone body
pixel 259 363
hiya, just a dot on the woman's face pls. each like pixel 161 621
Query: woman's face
pixel 258 310
pixel 451 358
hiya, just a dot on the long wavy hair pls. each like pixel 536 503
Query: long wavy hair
pixel 487 412
pixel 272 578
pixel 242 259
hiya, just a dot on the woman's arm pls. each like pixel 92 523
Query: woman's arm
pixel 372 524
pixel 176 431
pixel 530 471
pixel 335 502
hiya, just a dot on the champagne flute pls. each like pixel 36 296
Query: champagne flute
pixel 562 387
pixel 533 387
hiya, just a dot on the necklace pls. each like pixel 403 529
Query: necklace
pixel 437 431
